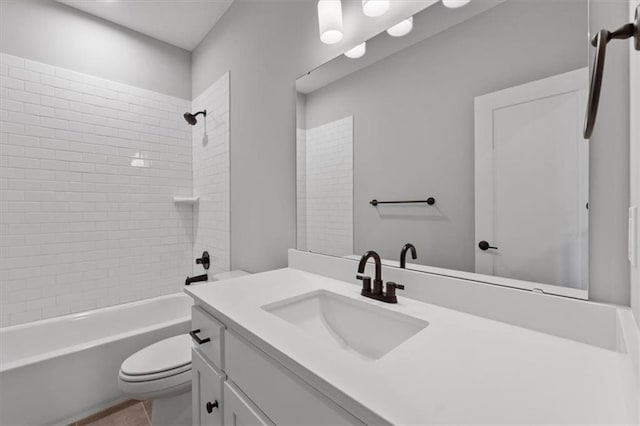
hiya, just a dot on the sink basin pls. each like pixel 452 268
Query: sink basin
pixel 362 329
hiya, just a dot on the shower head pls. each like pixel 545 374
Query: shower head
pixel 191 118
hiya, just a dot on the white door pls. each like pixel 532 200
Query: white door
pixel 531 177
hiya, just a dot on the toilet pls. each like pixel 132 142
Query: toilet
pixel 162 372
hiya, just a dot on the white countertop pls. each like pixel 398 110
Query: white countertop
pixel 459 369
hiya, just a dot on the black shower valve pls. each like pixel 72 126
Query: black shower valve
pixel 205 260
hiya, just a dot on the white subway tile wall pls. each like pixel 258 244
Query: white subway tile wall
pixel 329 187
pixel 87 175
pixel 211 176
pixel 301 188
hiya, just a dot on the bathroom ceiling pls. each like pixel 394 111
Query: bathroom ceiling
pixel 183 23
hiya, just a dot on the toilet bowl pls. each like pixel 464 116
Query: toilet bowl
pixel 161 372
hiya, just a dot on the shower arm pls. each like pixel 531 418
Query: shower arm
pixel 599 41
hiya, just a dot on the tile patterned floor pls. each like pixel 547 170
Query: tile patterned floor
pixel 128 413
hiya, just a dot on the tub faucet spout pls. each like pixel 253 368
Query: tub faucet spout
pixel 197 278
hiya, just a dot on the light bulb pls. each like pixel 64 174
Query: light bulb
pixel 455 3
pixel 330 21
pixel 356 52
pixel 402 28
pixel 374 8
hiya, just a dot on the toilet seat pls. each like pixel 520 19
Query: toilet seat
pixel 159 370
pixel 155 376
pixel 159 388
pixel 163 356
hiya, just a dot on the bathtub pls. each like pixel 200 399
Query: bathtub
pixel 59 370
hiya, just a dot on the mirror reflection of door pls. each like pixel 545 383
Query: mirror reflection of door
pixel 531 174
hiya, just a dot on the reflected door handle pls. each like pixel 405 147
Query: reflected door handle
pixel 211 405
pixel 483 245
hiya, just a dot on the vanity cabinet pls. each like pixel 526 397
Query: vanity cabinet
pixel 236 383
pixel 238 410
pixel 209 331
pixel 207 393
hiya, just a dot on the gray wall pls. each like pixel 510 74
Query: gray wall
pixel 635 167
pixel 262 44
pixel 414 121
pixel 266 45
pixel 49 32
pixel 609 166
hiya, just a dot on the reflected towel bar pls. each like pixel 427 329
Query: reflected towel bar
pixel 431 201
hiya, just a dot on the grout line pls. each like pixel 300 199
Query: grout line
pixel 146 413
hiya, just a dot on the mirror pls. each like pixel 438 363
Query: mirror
pixel 464 138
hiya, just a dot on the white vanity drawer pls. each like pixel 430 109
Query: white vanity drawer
pixel 207 334
pixel 282 396
pixel 238 410
pixel 206 387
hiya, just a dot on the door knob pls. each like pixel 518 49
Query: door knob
pixel 483 245
pixel 211 405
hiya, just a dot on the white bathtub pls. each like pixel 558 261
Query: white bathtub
pixel 59 370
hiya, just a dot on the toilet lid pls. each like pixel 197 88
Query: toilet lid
pixel 165 355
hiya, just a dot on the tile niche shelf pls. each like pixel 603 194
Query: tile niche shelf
pixel 185 200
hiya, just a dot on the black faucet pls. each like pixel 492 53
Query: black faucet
pixel 366 281
pixel 196 279
pixel 376 293
pixel 403 254
pixel 205 261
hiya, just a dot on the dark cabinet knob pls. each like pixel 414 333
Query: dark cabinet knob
pixel 211 405
pixel 483 245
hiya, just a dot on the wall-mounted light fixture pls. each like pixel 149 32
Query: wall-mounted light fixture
pixel 375 8
pixel 401 28
pixel 330 21
pixel 356 52
pixel 455 3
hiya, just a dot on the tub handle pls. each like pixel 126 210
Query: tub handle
pixel 210 406
pixel 194 336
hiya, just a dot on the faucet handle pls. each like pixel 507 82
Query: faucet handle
pixel 205 260
pixel 366 283
pixel 391 289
